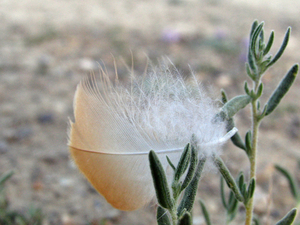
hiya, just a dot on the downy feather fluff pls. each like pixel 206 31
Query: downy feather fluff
pixel 116 125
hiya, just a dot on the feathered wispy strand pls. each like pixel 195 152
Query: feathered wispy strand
pixel 117 124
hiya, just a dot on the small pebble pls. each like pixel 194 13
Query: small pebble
pixel 7 109
pixel 49 160
pixel 67 220
pixel 3 147
pixel 275 213
pixel 171 36
pixel 87 64
pixel 24 132
pixel 198 220
pixel 66 182
pixel 37 179
pixel 54 218
pixel 19 135
pixel 224 80
pixel 112 214
pixel 91 190
pixel 97 204
pixel 60 107
pixel 43 65
pixel 38 185
pixel 45 118
pixel 293 129
pixel 220 34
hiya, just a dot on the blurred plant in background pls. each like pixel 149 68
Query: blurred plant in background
pixel 33 216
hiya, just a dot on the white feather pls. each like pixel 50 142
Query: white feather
pixel 117 125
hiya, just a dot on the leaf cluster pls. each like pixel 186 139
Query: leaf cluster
pixel 176 201
pixel 259 60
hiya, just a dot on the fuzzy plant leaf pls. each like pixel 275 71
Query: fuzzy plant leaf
pixel 237 141
pixel 246 88
pixel 190 192
pixel 228 178
pixel 205 213
pixel 251 188
pixel 234 105
pixel 223 196
pixel 241 179
pixel 261 43
pixel 254 38
pixel 253 27
pixel 186 219
pixel 192 168
pixel 163 194
pixel 162 216
pixel 251 59
pixel 170 163
pixel 232 206
pixel 249 73
pixel 248 143
pixel 292 183
pixel 269 44
pixel 4 177
pixel 289 218
pixel 183 162
pixel 282 48
pixel 256 221
pixel 223 97
pixel 252 65
pixel 282 89
pixel 117 124
pixel 236 138
pixel 259 91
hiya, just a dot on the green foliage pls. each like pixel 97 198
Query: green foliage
pixel 205 213
pixel 289 218
pixel 228 178
pixel 33 216
pixel 241 189
pixel 162 216
pixel 163 193
pixel 4 178
pixel 234 105
pixel 282 89
pixel 170 208
pixel 183 162
pixel 236 138
pixel 258 62
pixel 192 168
pixel 295 190
pixel 231 205
pixel 186 219
pixel 190 192
pixel 256 221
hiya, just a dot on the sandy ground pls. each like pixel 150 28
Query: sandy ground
pixel 46 47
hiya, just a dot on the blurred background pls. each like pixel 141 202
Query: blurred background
pixel 47 47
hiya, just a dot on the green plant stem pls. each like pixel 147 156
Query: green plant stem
pixel 174 216
pixel 252 154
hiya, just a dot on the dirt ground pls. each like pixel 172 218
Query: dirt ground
pixel 47 47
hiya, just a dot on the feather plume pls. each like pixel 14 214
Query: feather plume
pixel 116 125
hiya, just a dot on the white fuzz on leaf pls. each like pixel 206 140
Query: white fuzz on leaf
pixel 116 125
